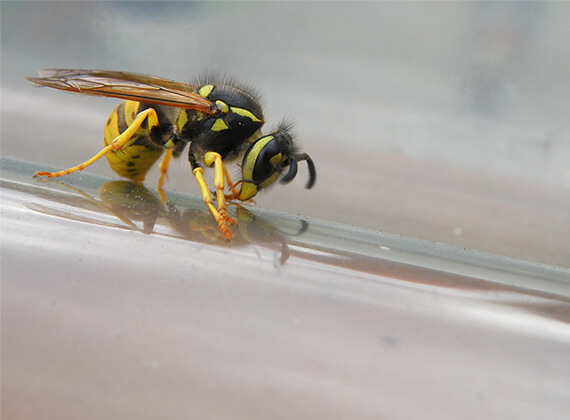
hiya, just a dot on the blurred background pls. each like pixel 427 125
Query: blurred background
pixel 440 121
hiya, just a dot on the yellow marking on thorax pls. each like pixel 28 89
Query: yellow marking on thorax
pixel 219 125
pixel 205 90
pixel 182 120
pixel 245 113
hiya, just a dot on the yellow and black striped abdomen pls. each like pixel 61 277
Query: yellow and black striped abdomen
pixel 138 155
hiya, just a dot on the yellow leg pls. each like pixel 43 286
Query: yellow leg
pixel 219 173
pixel 208 200
pixel 231 185
pixel 116 144
pixel 164 163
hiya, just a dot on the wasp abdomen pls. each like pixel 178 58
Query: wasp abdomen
pixel 140 153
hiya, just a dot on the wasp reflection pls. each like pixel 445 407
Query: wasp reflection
pixel 145 211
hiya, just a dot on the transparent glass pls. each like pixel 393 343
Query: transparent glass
pixel 426 275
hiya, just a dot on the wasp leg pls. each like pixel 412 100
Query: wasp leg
pixel 116 144
pixel 232 186
pixel 219 172
pixel 208 200
pixel 164 163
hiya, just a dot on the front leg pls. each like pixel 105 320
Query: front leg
pixel 198 173
pixel 220 171
pixel 208 200
pixel 234 192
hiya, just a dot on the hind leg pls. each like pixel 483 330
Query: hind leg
pixel 116 144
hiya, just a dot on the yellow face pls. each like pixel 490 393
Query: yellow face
pixel 262 165
pixel 247 191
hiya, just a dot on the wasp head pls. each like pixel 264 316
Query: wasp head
pixel 270 158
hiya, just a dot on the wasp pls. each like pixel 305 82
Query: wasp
pixel 219 121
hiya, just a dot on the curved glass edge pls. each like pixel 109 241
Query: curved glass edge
pixel 134 206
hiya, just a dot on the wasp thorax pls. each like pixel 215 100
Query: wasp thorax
pixel 239 116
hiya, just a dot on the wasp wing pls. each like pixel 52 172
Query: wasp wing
pixel 125 85
pixel 118 75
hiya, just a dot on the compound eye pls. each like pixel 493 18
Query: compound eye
pixel 267 159
pixel 262 160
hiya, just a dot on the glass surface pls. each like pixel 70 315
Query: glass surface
pixel 118 303
pixel 426 275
